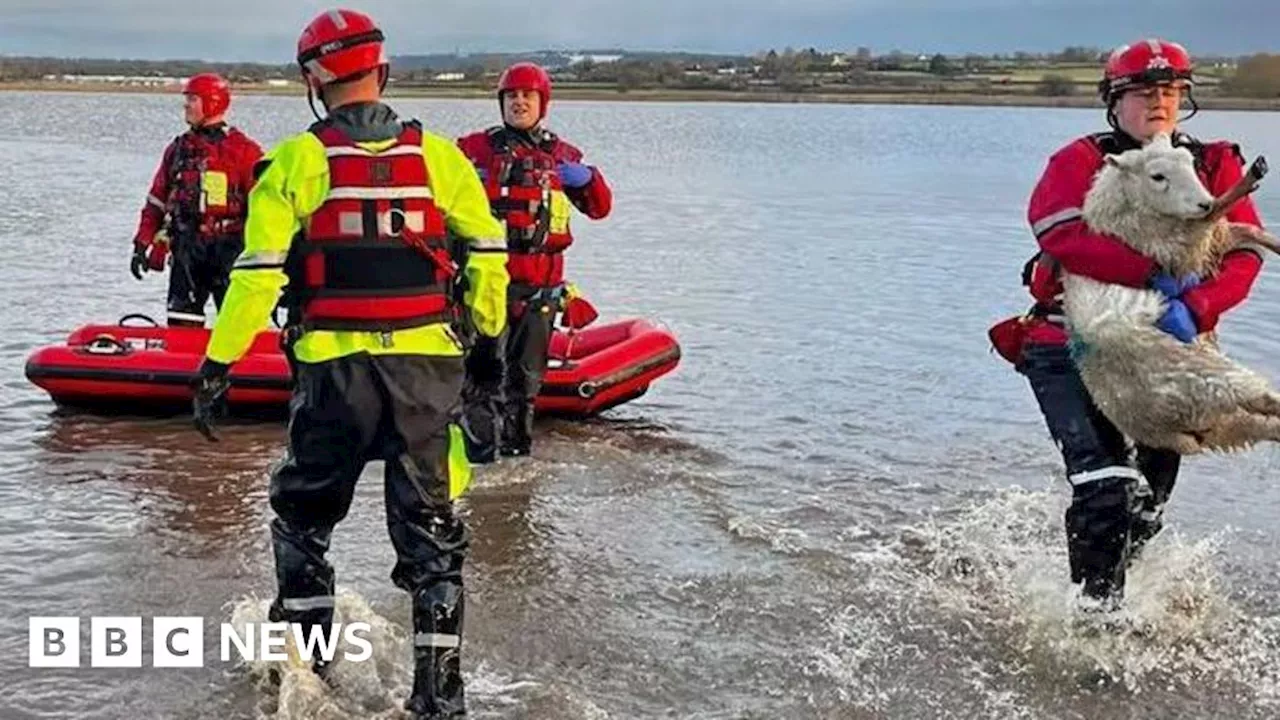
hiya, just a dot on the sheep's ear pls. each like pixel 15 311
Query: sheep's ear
pixel 1117 162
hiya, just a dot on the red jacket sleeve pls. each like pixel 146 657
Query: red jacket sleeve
pixel 1209 300
pixel 152 215
pixel 1055 216
pixel 595 199
pixel 476 147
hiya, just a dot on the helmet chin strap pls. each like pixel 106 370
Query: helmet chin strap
pixel 311 101
pixel 1195 107
pixel 1112 120
pixel 384 73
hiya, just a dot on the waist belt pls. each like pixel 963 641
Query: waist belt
pixel 1049 313
pixel 223 226
pixel 525 297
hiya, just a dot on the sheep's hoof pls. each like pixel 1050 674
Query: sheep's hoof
pixel 1188 444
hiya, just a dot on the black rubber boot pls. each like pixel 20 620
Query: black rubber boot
pixel 517 437
pixel 1160 467
pixel 1098 525
pixel 438 688
pixel 482 397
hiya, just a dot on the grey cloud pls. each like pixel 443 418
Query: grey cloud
pixel 267 29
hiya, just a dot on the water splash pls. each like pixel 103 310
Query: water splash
pixel 375 688
pixel 783 539
pixel 981 596
pixel 1000 565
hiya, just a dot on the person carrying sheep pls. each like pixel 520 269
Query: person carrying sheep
pixel 1118 490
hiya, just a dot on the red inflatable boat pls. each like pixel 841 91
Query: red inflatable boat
pixel 142 368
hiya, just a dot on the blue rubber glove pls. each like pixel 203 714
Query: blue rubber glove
pixel 1173 288
pixel 574 175
pixel 1178 322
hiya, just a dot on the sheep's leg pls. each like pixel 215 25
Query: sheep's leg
pixel 1265 404
pixel 1243 234
pixel 1241 429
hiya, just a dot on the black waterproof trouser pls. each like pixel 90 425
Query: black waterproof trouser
pixel 504 377
pixel 1118 490
pixel 345 413
pixel 200 269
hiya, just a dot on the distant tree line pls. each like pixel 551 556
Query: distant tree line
pixel 35 68
pixel 1257 76
pixel 790 70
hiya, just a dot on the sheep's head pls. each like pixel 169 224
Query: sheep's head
pixel 1152 198
pixel 1162 178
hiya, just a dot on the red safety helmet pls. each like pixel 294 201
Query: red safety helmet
pixel 1149 62
pixel 338 44
pixel 527 76
pixel 213 91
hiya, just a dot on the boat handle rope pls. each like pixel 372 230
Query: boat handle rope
pixel 106 345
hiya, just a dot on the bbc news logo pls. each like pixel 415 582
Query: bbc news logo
pixel 178 642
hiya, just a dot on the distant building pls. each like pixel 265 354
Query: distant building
pixel 576 58
pixel 449 76
pixel 144 80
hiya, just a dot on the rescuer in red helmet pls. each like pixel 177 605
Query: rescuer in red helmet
pixel 1118 491
pixel 531 177
pixel 196 208
pixel 380 235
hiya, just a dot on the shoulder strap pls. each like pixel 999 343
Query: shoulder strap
pixel 1109 143
pixel 498 141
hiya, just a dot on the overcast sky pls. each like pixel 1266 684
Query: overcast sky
pixel 266 30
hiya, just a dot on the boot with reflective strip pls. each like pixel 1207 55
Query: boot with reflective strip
pixel 304 578
pixel 1099 523
pixel 1148 521
pixel 438 605
pixel 1160 469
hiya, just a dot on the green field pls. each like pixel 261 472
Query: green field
pixel 1081 75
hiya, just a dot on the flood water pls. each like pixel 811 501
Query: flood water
pixel 841 505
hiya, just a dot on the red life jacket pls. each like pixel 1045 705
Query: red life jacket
pixel 375 255
pixel 197 203
pixel 520 182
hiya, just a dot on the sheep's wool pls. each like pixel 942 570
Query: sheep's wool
pixel 1158 390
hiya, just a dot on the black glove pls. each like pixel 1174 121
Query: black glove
pixel 209 403
pixel 138 264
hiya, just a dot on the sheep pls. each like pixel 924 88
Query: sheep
pixel 1157 390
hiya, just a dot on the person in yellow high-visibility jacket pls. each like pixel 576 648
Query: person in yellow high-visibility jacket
pixel 361 217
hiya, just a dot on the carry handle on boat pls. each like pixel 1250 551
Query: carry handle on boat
pixel 138 316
